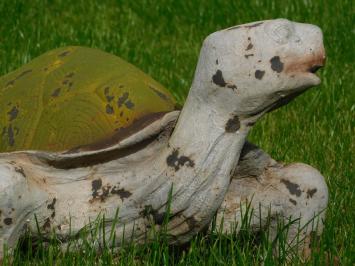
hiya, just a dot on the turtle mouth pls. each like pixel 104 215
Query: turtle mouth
pixel 313 69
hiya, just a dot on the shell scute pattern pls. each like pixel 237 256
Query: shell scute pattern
pixel 74 96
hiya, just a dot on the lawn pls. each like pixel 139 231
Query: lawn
pixel 163 39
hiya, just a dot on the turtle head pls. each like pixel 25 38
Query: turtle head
pixel 255 68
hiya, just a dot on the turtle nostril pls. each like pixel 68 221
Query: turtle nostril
pixel 313 69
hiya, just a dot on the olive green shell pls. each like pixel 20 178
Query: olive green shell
pixel 75 96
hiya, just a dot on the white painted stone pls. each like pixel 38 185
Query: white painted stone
pixel 242 73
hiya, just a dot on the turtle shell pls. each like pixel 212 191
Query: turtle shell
pixel 76 97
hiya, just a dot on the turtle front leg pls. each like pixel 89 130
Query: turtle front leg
pixel 295 192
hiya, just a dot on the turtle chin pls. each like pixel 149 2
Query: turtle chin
pixel 311 79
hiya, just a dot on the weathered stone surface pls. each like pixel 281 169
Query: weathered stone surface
pixel 192 160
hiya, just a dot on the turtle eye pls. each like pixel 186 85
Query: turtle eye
pixel 280 31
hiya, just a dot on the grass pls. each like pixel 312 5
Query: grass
pixel 163 38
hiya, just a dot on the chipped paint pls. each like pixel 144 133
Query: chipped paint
pixel 293 188
pixel 175 161
pixel 276 64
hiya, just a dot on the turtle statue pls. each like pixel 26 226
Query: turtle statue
pixel 85 133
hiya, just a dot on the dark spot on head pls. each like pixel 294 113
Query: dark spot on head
pixel 122 193
pixel 293 201
pixel 293 188
pixel 248 55
pixel 173 160
pixel 253 25
pixel 129 104
pixel 65 82
pixel 65 53
pixel 56 92
pixel 122 99
pixel 13 113
pixel 232 86
pixel 276 64
pixel 218 79
pixel 233 124
pixel 8 221
pixel 259 74
pixel 250 46
pixel 216 61
pixel 51 205
pixel 311 192
pixel 109 109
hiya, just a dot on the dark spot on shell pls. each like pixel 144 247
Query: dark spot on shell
pixel 160 94
pixel 233 124
pixel 65 53
pixel 173 160
pixel 109 109
pixel 8 221
pixel 109 98
pixel 69 75
pixel 10 83
pixel 129 104
pixel 311 192
pixel 10 134
pixel 218 79
pixel 259 74
pixel 248 55
pixel 51 205
pixel 292 187
pixel 293 201
pixel 65 82
pixel 56 92
pixel 96 185
pixel 253 25
pixel 13 113
pixel 276 64
pixel 122 99
pixel 122 193
pixel 23 73
pixel 216 61
pixel 249 47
